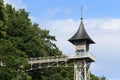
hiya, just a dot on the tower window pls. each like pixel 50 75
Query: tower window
pixel 80 52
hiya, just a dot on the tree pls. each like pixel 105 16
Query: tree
pixel 14 61
pixel 28 37
pixel 93 77
pixel 102 78
pixel 21 39
pixel 3 19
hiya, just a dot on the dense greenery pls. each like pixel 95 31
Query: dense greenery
pixel 93 77
pixel 20 39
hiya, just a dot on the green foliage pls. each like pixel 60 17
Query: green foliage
pixel 60 73
pixel 56 76
pixel 20 40
pixel 28 37
pixel 7 73
pixel 102 78
pixel 14 60
pixel 3 20
pixel 28 40
pixel 93 77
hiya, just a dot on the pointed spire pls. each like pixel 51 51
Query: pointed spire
pixel 81 35
pixel 81 13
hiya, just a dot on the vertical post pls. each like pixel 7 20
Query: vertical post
pixel 74 71
pixel 0 62
pixel 85 75
pixel 88 74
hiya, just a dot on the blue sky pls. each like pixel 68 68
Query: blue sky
pixel 62 9
pixel 101 20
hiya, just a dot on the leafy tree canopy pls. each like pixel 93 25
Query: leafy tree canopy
pixel 21 39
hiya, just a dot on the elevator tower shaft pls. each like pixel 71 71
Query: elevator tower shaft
pixel 81 41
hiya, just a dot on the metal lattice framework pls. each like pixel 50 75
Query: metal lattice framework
pixel 81 64
pixel 60 61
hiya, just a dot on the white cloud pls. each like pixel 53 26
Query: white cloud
pixel 104 23
pixel 112 24
pixel 16 3
pixel 105 32
pixel 64 29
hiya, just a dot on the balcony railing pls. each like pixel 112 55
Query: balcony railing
pixel 48 59
pixel 84 55
pixel 87 55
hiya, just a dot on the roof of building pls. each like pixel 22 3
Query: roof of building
pixel 81 34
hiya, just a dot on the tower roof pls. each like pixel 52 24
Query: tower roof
pixel 81 35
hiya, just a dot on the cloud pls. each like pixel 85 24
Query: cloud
pixel 62 30
pixel 15 3
pixel 107 54
pixel 98 28
pixel 104 23
pixel 112 24
pixel 105 32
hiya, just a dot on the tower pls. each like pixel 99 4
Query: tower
pixel 82 58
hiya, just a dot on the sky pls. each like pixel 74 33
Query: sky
pixel 62 19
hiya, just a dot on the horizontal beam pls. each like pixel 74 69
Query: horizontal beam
pixel 58 61
pixel 40 60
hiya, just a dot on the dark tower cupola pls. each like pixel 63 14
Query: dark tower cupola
pixel 81 40
pixel 81 35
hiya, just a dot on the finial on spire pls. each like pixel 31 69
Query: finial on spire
pixel 81 13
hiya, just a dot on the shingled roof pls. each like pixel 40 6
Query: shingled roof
pixel 81 35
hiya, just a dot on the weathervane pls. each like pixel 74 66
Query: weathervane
pixel 81 13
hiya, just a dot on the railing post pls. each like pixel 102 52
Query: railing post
pixel 85 76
